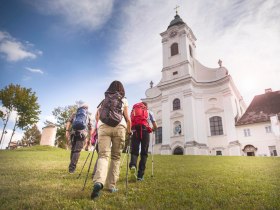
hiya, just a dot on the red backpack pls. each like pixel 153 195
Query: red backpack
pixel 139 115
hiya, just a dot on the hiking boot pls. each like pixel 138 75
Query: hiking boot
pixel 71 171
pixel 113 190
pixel 96 190
pixel 133 175
pixel 140 179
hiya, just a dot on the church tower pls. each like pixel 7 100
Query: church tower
pixel 195 106
pixel 178 50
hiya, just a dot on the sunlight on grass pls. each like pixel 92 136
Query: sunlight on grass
pixel 37 179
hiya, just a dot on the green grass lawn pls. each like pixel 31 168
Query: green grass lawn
pixel 37 178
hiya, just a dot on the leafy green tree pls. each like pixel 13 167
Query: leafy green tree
pixel 32 136
pixel 62 114
pixel 24 102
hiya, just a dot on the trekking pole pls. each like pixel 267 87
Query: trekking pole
pixel 127 164
pixel 89 167
pixel 124 157
pixel 83 166
pixel 153 154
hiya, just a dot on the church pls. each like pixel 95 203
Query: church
pixel 197 108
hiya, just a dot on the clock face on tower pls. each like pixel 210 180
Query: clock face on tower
pixel 173 34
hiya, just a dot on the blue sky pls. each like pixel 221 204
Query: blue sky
pixel 68 50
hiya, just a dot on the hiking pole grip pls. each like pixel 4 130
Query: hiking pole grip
pixel 83 166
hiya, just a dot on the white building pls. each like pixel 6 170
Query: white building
pixel 196 107
pixel 200 111
pixel 258 130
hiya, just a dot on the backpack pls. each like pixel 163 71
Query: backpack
pixel 110 111
pixel 80 120
pixel 139 115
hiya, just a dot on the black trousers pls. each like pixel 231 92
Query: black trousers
pixel 141 138
pixel 77 144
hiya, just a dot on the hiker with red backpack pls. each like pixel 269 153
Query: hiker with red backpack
pixel 113 123
pixel 78 128
pixel 141 118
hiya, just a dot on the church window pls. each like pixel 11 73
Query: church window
pixel 176 104
pixel 158 134
pixel 174 49
pixel 216 126
pixel 177 128
pixel 247 132
pixel 268 129
pixel 191 53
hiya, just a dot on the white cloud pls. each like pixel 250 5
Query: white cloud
pixel 6 137
pixel 245 35
pixel 13 50
pixel 43 119
pixel 139 57
pixel 87 14
pixel 34 70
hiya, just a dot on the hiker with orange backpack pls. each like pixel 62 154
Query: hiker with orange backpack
pixel 141 118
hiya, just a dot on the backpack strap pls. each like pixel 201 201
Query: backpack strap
pixel 100 103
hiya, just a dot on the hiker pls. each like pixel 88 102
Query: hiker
pixel 78 128
pixel 141 118
pixel 113 123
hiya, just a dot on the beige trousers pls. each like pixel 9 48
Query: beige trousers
pixel 111 141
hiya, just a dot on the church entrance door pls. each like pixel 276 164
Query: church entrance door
pixel 178 151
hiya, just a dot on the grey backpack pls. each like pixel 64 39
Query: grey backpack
pixel 110 111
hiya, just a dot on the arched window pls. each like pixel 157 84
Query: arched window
pixel 176 104
pixel 174 49
pixel 158 135
pixel 216 126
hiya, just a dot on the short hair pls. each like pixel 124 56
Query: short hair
pixel 145 103
pixel 117 86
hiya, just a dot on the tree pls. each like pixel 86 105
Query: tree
pixel 62 114
pixel 24 102
pixel 32 136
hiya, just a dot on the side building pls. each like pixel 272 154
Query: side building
pixel 258 130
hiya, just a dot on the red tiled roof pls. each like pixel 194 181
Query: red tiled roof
pixel 261 108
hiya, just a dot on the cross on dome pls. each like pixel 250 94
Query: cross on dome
pixel 176 8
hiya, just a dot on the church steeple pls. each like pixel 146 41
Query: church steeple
pixel 177 19
pixel 178 46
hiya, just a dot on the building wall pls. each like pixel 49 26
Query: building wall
pixel 258 138
pixel 48 135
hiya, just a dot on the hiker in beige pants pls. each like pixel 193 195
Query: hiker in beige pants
pixel 106 136
pixel 111 140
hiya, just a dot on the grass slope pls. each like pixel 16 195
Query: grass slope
pixel 37 178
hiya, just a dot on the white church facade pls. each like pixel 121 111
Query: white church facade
pixel 196 107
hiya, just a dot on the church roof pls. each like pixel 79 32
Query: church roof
pixel 176 21
pixel 261 108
